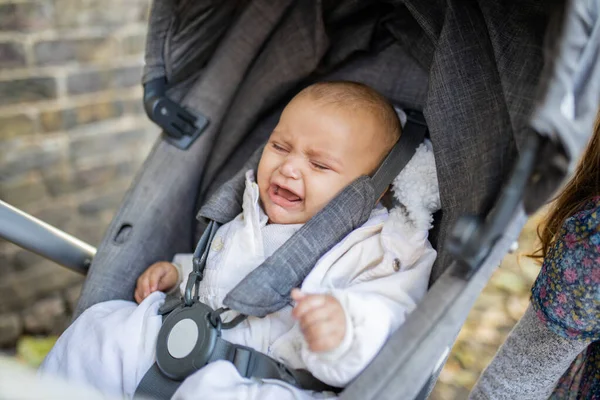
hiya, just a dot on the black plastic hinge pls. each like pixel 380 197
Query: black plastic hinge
pixel 181 127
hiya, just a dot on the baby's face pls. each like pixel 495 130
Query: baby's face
pixel 313 153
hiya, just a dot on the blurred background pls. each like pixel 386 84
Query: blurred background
pixel 73 133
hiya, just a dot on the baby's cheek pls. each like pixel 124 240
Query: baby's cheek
pixel 322 192
pixel 313 202
pixel 261 180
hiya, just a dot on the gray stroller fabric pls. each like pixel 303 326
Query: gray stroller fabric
pixel 472 67
pixel 251 72
pixel 226 203
pixel 165 191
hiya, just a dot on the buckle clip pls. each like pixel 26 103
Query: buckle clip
pixel 181 127
pixel 192 284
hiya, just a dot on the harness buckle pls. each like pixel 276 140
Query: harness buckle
pixel 186 341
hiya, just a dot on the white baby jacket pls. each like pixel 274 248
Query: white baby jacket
pixel 376 273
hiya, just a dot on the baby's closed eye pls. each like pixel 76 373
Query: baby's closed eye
pixel 320 166
pixel 279 148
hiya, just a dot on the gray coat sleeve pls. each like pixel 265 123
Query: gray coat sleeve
pixel 528 364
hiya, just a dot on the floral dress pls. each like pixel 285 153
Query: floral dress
pixel 566 297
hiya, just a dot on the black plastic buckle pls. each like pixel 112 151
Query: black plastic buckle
pixel 416 117
pixel 181 127
pixel 192 285
pixel 217 322
pixel 179 368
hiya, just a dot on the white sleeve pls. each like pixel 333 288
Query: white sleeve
pixel 183 263
pixel 374 310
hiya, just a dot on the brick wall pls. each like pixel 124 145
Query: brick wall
pixel 72 135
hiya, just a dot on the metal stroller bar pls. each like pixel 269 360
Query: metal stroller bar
pixel 37 236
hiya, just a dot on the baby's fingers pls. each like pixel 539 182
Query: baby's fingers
pixel 308 303
pixel 138 296
pixel 297 295
pixel 142 289
pixel 315 316
pixel 324 336
pixel 155 277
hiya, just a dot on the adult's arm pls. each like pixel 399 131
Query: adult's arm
pixel 528 364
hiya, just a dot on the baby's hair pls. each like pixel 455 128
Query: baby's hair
pixel 357 96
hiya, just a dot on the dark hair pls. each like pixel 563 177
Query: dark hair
pixel 583 187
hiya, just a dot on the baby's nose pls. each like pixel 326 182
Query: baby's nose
pixel 289 169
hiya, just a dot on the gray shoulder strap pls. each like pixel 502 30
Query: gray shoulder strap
pixel 226 203
pixel 267 288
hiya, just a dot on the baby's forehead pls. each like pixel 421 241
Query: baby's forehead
pixel 350 111
pixel 379 110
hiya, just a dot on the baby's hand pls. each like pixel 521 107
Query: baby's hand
pixel 159 276
pixel 322 320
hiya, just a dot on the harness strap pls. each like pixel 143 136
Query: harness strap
pixel 413 134
pixel 254 364
pixel 154 385
pixel 249 364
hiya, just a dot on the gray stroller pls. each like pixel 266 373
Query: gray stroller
pixel 508 90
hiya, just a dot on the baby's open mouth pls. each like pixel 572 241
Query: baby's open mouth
pixel 286 194
pixel 284 197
